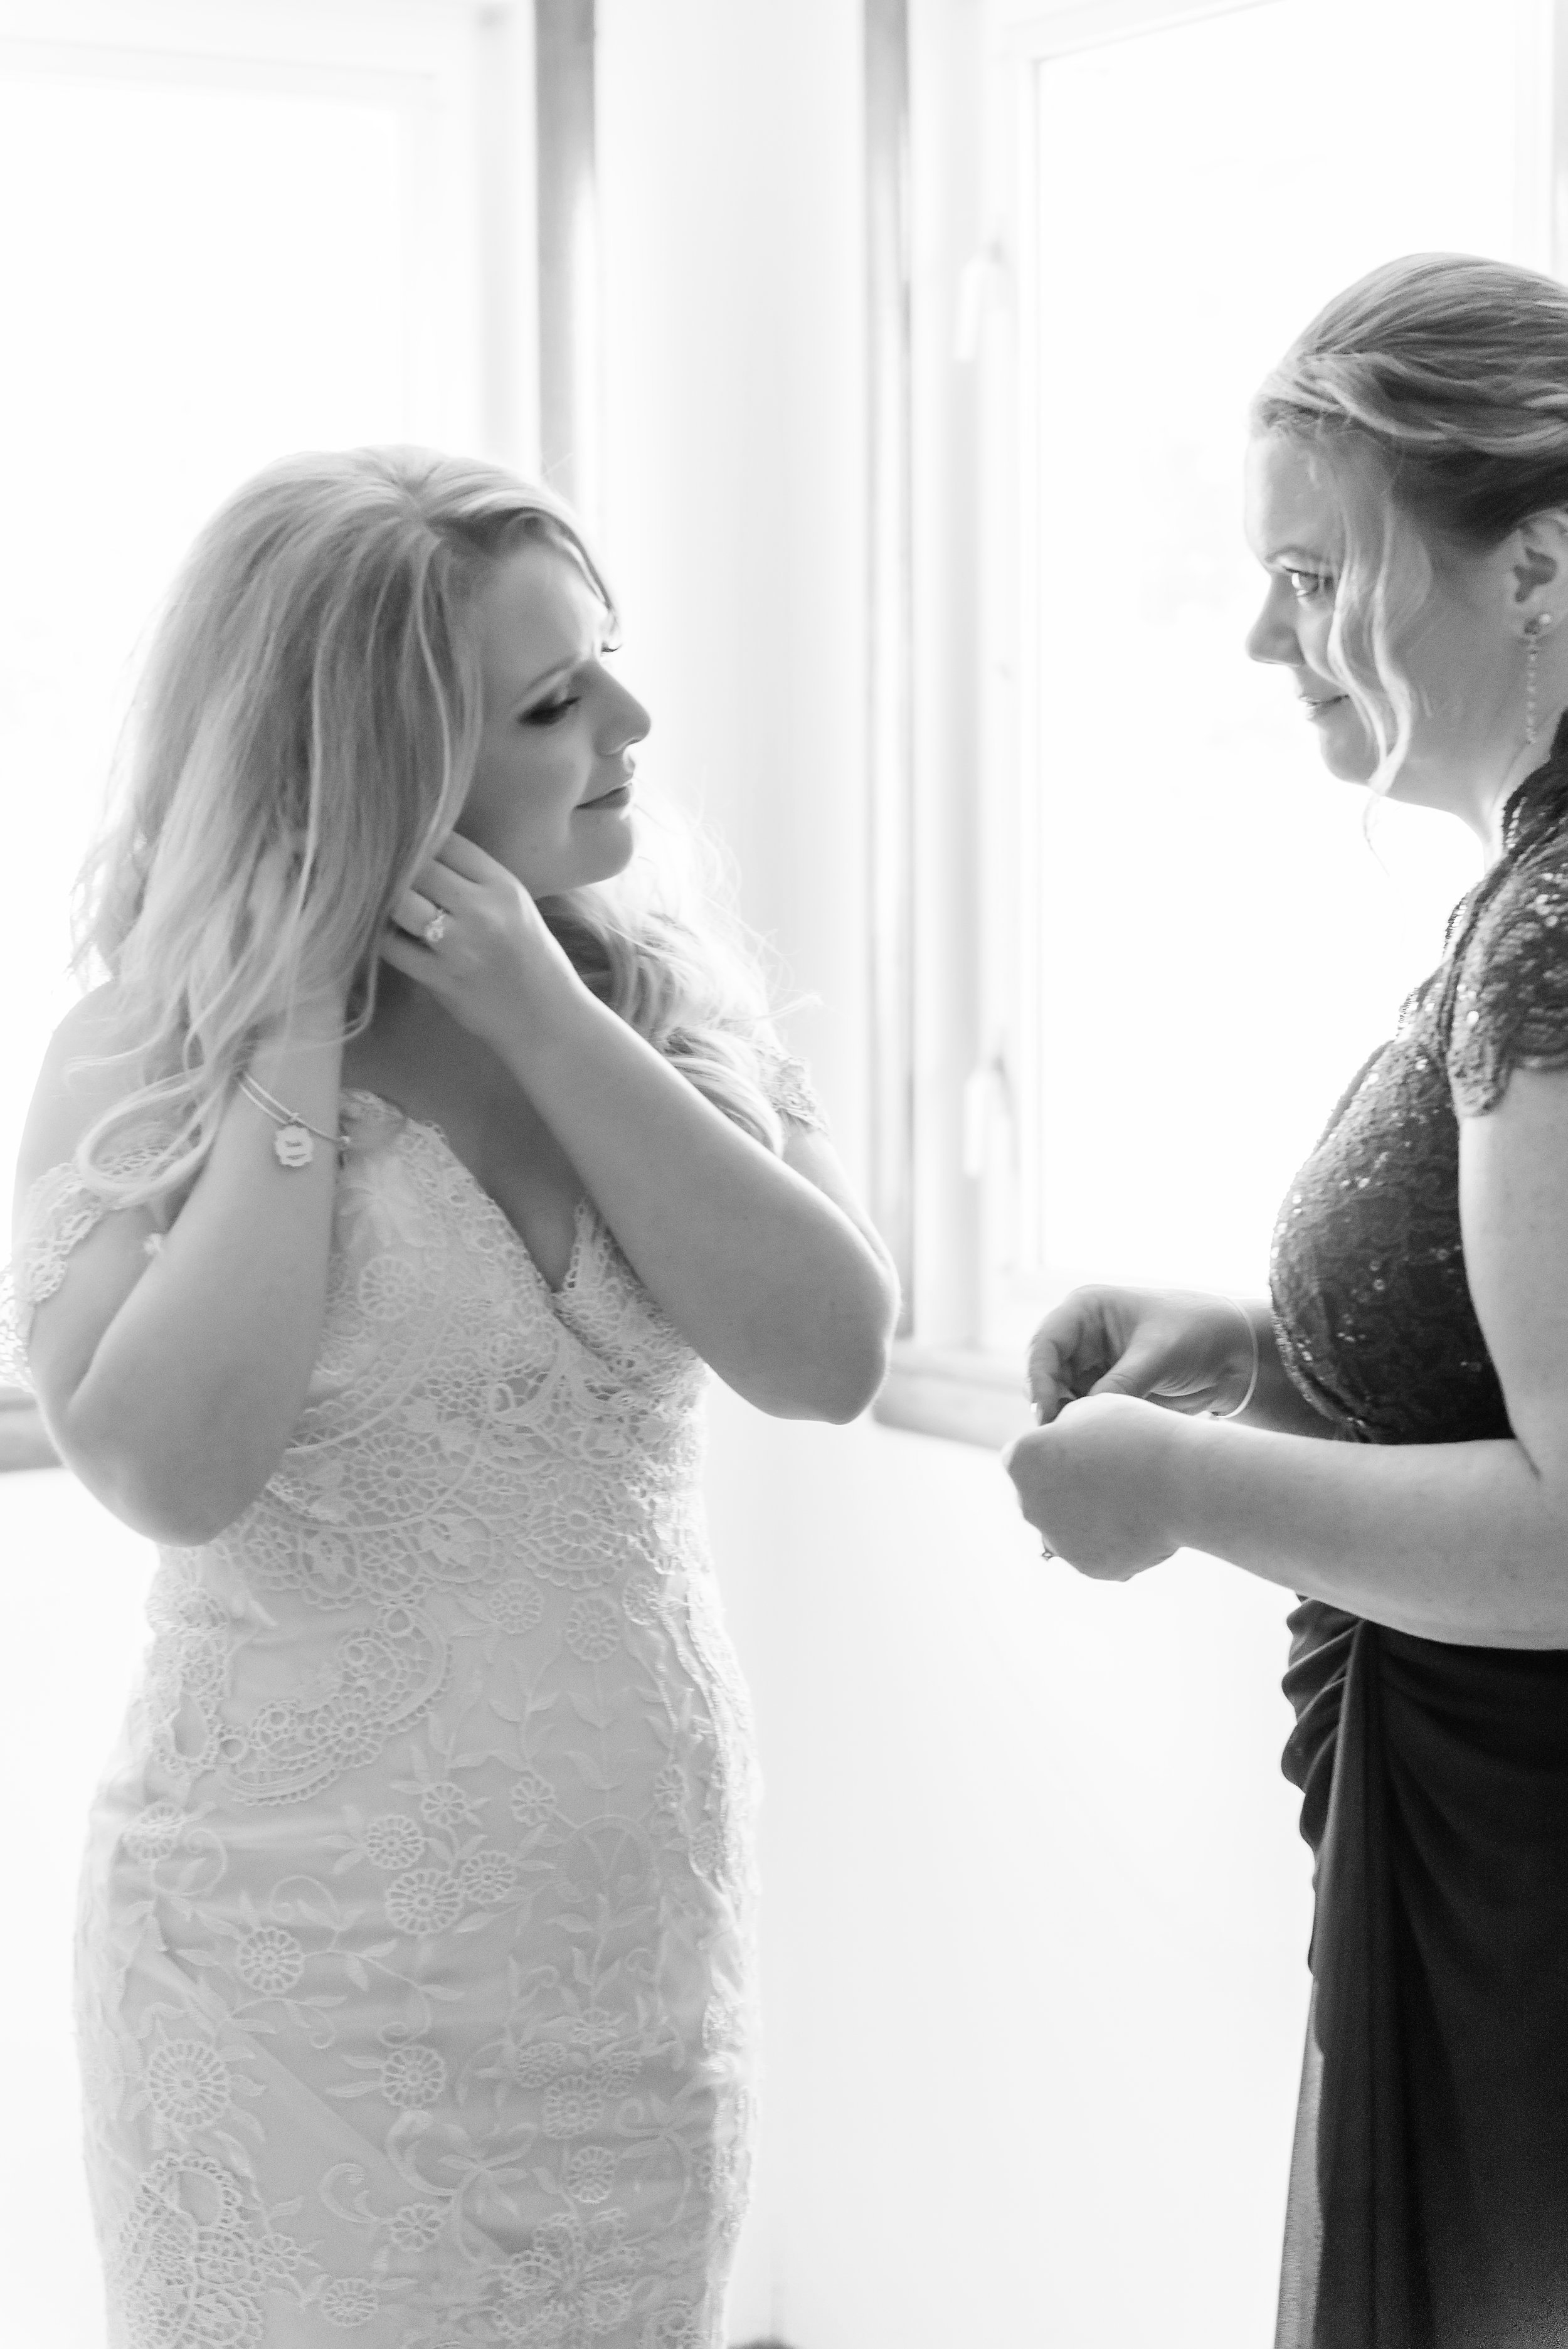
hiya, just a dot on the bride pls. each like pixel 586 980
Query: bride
pixel 378 1215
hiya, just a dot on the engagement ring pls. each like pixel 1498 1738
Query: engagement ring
pixel 435 929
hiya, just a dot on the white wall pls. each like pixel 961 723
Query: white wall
pixel 75 1586
pixel 1035 1910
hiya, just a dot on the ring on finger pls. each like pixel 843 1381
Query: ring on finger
pixel 435 929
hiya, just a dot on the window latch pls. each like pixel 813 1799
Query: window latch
pixel 981 284
pixel 987 1096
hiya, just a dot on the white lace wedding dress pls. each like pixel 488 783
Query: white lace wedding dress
pixel 414 1968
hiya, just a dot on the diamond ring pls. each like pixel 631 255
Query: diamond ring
pixel 435 929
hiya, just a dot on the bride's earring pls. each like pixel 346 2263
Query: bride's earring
pixel 1533 632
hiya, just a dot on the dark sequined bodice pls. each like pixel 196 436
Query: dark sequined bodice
pixel 1372 1306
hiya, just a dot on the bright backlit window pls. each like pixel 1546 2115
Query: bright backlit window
pixel 1188 935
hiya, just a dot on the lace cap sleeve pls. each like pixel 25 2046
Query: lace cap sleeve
pixel 789 1089
pixel 57 1214
pixel 1510 988
pixel 14 1371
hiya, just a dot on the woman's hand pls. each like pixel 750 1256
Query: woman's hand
pixel 1100 1484
pixel 758 1260
pixel 469 930
pixel 1178 1348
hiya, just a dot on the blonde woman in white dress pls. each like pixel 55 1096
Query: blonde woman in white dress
pixel 379 1217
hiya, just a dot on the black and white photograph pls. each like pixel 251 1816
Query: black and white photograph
pixel 784 1345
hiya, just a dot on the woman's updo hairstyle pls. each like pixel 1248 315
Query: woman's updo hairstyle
pixel 1434 391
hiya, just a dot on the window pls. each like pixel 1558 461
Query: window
pixel 1168 942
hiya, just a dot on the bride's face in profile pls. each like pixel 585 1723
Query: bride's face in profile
pixel 551 797
pixel 1462 652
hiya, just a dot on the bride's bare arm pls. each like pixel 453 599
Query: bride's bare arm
pixel 763 1263
pixel 170 1377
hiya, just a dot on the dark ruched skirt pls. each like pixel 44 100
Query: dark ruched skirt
pixel 1428 2193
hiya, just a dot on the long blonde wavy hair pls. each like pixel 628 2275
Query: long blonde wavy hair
pixel 1434 394
pixel 305 733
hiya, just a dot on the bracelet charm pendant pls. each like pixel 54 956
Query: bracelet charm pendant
pixel 294 1138
pixel 292 1145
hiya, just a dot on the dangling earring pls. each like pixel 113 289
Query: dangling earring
pixel 1533 632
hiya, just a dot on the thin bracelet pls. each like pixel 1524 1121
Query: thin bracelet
pixel 1257 1362
pixel 292 1143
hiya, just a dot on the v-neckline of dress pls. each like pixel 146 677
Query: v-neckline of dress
pixel 584 1216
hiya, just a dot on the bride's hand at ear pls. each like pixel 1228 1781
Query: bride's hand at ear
pixel 467 929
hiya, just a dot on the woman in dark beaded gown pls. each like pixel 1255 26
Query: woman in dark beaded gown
pixel 1408 497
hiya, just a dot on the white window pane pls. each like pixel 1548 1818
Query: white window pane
pixel 1210 946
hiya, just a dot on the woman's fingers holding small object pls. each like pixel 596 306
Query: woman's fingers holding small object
pixel 1067 1353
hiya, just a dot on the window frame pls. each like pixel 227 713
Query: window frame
pixel 947 1043
pixel 451 69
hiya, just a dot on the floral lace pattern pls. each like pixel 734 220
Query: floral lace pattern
pixel 414 1962
pixel 1372 1305
pixel 792 1092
